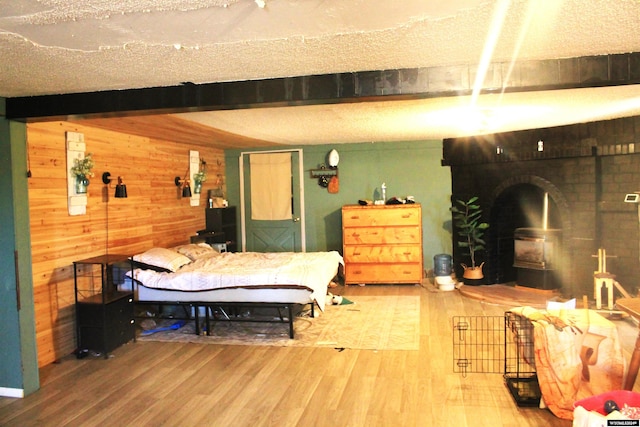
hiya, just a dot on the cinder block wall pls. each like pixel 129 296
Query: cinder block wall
pixel 587 169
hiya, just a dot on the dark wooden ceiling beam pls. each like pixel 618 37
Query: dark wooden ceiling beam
pixel 415 83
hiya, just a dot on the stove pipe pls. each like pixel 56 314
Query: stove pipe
pixel 545 211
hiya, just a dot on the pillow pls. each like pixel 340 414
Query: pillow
pixel 163 258
pixel 194 251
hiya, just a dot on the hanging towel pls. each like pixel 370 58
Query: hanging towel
pixel 271 186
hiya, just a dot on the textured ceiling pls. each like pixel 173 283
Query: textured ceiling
pixel 426 119
pixel 66 46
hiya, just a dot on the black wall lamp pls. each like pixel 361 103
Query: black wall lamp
pixel 184 183
pixel 121 188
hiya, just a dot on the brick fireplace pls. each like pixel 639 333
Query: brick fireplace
pixel 572 179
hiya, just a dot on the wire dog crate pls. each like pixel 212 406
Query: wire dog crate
pixel 498 344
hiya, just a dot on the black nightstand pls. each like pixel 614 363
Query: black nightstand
pixel 223 220
pixel 104 315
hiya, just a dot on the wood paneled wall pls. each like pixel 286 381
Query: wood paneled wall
pixel 154 214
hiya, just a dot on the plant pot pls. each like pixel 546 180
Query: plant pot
pixel 473 273
pixel 197 188
pixel 81 184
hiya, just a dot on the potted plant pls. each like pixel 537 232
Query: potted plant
pixel 82 171
pixel 467 218
pixel 200 177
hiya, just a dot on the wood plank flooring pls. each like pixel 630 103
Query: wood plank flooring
pixel 185 384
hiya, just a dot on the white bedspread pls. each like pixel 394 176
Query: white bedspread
pixel 312 270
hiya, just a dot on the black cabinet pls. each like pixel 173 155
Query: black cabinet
pixel 104 315
pixel 223 220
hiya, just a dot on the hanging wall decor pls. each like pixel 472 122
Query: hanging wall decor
pixel 78 173
pixel 194 168
pixel 328 176
pixel 200 177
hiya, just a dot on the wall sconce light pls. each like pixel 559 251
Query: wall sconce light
pixel 184 183
pixel 121 188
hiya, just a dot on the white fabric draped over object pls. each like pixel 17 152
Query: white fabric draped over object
pixel 271 186
pixel 310 270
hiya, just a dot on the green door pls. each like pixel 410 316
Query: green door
pixel 274 235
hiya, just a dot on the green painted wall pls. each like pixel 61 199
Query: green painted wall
pixel 407 168
pixel 19 367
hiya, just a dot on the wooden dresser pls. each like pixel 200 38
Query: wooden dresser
pixel 382 243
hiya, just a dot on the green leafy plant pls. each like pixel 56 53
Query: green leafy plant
pixel 467 218
pixel 201 175
pixel 83 167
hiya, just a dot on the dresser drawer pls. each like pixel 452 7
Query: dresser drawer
pixel 383 273
pixel 381 235
pixel 382 244
pixel 377 254
pixel 383 215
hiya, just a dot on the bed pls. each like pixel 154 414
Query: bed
pixel 198 277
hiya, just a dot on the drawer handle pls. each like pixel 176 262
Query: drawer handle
pixel 406 216
pixel 356 253
pixel 355 235
pixel 131 321
pixel 355 217
pixel 406 253
pixel 130 299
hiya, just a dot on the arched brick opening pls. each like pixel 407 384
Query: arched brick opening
pixel 518 202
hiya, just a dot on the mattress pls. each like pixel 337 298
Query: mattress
pixel 281 277
pixel 252 295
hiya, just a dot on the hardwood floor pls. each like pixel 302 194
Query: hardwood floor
pixel 184 384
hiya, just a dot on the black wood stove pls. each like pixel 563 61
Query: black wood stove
pixel 535 256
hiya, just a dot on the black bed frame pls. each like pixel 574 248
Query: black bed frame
pixel 235 306
pixel 209 306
